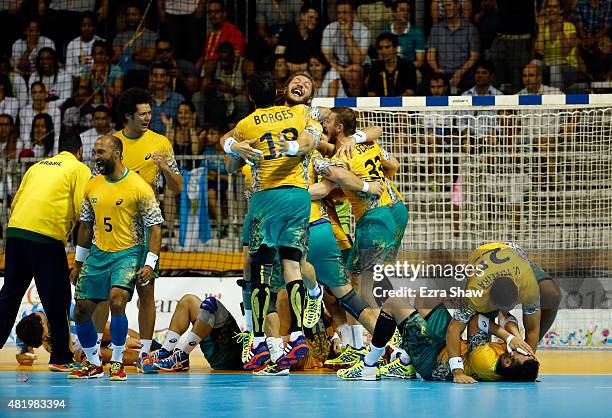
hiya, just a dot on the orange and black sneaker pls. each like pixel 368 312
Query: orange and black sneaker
pixel 116 371
pixel 87 371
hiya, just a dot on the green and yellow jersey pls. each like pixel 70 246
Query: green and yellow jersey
pixel 267 125
pixel 120 211
pixel 138 155
pixel 479 363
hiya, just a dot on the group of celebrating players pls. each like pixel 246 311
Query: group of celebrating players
pixel 297 160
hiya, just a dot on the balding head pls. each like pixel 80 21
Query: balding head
pixel 532 78
pixel 108 151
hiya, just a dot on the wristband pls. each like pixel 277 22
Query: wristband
pixel 293 146
pixel 227 146
pixel 455 363
pixel 366 187
pixel 81 254
pixel 360 137
pixel 335 337
pixel 483 323
pixel 151 260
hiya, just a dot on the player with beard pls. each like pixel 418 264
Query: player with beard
pixel 118 206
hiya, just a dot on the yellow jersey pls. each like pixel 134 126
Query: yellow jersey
pixel 366 164
pixel 499 259
pixel 120 211
pixel 317 207
pixel 479 363
pixel 266 125
pixel 248 182
pixel 49 197
pixel 138 155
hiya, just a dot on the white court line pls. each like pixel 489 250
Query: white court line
pixel 147 387
pixel 375 388
pixel 511 388
pixel 416 388
pixel 323 388
pixel 60 386
pixel 558 387
pixel 462 388
pixel 603 387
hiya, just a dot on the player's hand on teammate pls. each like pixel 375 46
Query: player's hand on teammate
pixel 282 144
pixel 521 346
pixel 375 188
pixel 246 152
pixel 463 378
pixel 345 148
pixel 26 359
pixel 160 161
pixel 74 274
pixel 144 275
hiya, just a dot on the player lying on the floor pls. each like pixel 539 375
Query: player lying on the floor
pixel 423 335
pixel 33 331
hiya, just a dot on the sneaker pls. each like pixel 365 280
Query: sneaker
pixel 87 371
pixel 66 367
pixel 292 353
pixel 117 372
pixel 398 369
pixel 359 371
pixel 271 369
pixel 141 361
pixel 155 356
pixel 246 338
pixel 257 357
pixel 347 358
pixel 177 362
pixel 396 339
pixel 312 313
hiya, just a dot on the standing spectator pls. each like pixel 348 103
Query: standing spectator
pixel 345 46
pixel 78 115
pixel 165 101
pixel 453 47
pixel 102 77
pixel 8 104
pixel 222 31
pixel 487 23
pixel 57 81
pixel 43 213
pixel 438 10
pixel 134 48
pixel 38 104
pixel 327 80
pixel 511 48
pixel 101 126
pixel 391 75
pixel 19 88
pixel 25 51
pixel 40 143
pixel 593 23
pixel 410 38
pixel 180 18
pixel 79 52
pixel 299 41
pixel 177 68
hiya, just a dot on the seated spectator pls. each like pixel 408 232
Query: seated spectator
pixel 78 115
pixel 222 31
pixel 438 11
pixel 453 48
pixel 102 77
pixel 556 43
pixel 8 104
pixel 79 52
pixel 165 101
pixel 280 71
pixel 19 87
pixel 222 98
pixel 487 23
pixel 101 126
pixel 345 46
pixel 593 23
pixel 217 180
pixel 327 80
pixel 177 68
pixel 38 104
pixel 375 15
pixel 134 51
pixel 8 138
pixel 57 81
pixel 532 80
pixel 410 38
pixel 181 21
pixel 25 51
pixel 271 18
pixel 391 75
pixel 298 42
pixel 41 142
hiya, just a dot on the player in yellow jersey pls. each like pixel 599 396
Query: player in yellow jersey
pixel 150 155
pixel 118 209
pixel 505 277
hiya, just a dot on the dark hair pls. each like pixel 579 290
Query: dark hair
pixel 398 2
pixel 503 292
pixel 486 64
pixel 31 19
pixel 5 82
pixel 6 115
pixel 49 137
pixel 309 6
pixel 129 99
pixel 439 76
pixel 117 144
pixel 100 44
pixel 517 372
pixel 88 15
pixel 55 61
pixel 30 330
pixel 303 74
pixel 102 108
pixel 221 2
pixel 345 2
pixel 389 37
pixel 346 116
pixel 318 55
pixel 159 65
pixel 262 89
pixel 70 141
pixel 135 4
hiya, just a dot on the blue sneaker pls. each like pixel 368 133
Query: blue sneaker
pixel 293 352
pixel 257 357
pixel 141 361
pixel 155 356
pixel 177 362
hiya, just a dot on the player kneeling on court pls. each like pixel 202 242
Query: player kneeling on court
pixel 117 207
pixel 214 329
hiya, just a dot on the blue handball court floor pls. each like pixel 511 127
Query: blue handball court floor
pixel 301 395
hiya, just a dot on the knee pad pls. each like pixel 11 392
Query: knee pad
pixel 209 305
pixel 264 255
pixel 353 303
pixel 288 253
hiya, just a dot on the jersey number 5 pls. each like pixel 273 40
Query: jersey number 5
pixel 290 134
pixel 107 225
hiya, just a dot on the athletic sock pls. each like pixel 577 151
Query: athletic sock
pixel 99 344
pixel 295 335
pixel 248 320
pixel 405 359
pixel 172 339
pixel 275 346
pixel 345 334
pixel 258 340
pixel 314 293
pixel 357 333
pixel 88 338
pixel 118 353
pixel 371 359
pixel 295 293
pixel 118 331
pixel 190 343
pixel 92 355
pixel 145 347
pixel 384 329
